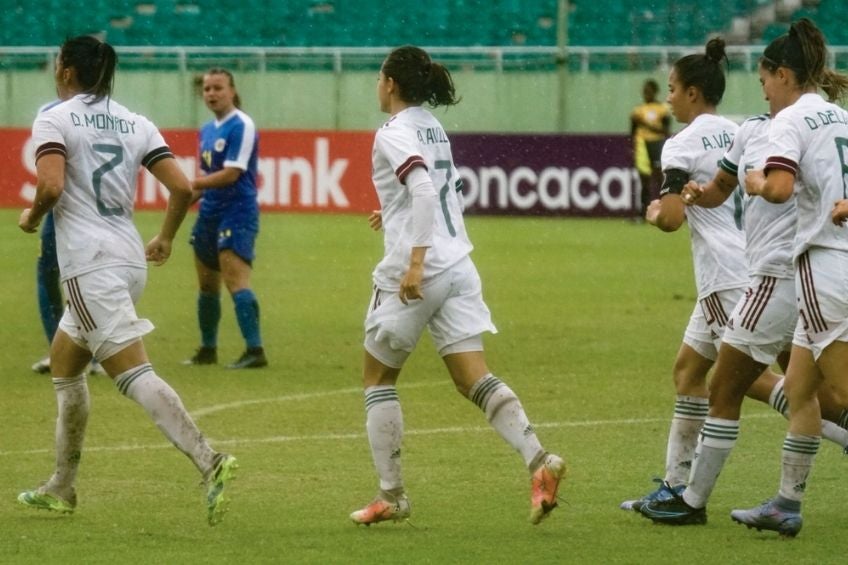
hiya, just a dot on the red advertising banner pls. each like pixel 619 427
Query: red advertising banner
pixel 317 171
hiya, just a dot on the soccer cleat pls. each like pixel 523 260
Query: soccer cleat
pixel 203 356
pixel 380 510
pixel 543 487
pixel 253 358
pixel 671 509
pixel 43 500
pixel 661 493
pixel 769 516
pixel 42 366
pixel 216 502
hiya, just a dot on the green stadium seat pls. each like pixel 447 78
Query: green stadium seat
pixel 383 23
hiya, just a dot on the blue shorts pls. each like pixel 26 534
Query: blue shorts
pixel 48 257
pixel 231 229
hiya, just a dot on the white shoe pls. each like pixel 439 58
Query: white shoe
pixel 42 366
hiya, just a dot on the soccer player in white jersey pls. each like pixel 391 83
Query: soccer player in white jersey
pixel 807 156
pixel 427 279
pixel 88 152
pixel 759 329
pixel 696 86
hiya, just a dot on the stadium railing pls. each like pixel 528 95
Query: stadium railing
pixel 339 59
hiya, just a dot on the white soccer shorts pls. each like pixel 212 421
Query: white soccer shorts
pixel 452 309
pixel 101 308
pixel 707 322
pixel 763 321
pixel 821 289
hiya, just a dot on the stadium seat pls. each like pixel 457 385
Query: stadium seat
pixel 381 23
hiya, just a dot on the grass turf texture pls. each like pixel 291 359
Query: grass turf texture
pixel 590 312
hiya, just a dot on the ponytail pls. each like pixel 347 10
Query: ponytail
pixel 802 50
pixel 94 61
pixel 419 78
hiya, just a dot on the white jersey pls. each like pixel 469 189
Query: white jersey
pixel 413 138
pixel 769 228
pixel 718 239
pixel 103 144
pixel 810 140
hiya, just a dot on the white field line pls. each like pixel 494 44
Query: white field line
pixel 348 436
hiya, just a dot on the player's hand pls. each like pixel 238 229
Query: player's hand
pixel 692 191
pixel 410 284
pixel 375 220
pixel 158 250
pixel 652 212
pixel 24 222
pixel 754 181
pixel 840 212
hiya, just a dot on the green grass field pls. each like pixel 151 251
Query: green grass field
pixel 590 313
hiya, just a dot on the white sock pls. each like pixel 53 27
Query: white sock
pixel 73 405
pixel 165 408
pixel 718 437
pixel 777 399
pixel 504 412
pixel 689 415
pixel 831 431
pixel 843 419
pixel 799 452
pixel 834 433
pixel 384 423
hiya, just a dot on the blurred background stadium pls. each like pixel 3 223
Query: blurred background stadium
pixel 521 65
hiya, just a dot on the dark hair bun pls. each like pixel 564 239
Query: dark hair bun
pixel 715 49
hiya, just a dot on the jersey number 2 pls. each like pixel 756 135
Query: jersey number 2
pixel 117 153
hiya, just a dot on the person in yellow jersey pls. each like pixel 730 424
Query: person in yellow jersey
pixel 650 124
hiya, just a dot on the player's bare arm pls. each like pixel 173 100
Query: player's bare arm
pixel 219 179
pixel 50 172
pixel 667 213
pixel 712 194
pixel 169 174
pixel 777 187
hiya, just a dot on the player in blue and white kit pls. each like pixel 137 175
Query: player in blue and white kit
pixel 427 279
pixel 228 222
pixel 807 156
pixel 89 149
pixel 696 86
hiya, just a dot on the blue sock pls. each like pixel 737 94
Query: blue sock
pixel 50 304
pixel 208 316
pixel 247 314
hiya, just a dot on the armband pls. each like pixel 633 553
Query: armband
pixel 674 181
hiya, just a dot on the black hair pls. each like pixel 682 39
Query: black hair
pixel 704 72
pixel 802 50
pixel 229 75
pixel 94 62
pixel 419 78
pixel 652 84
